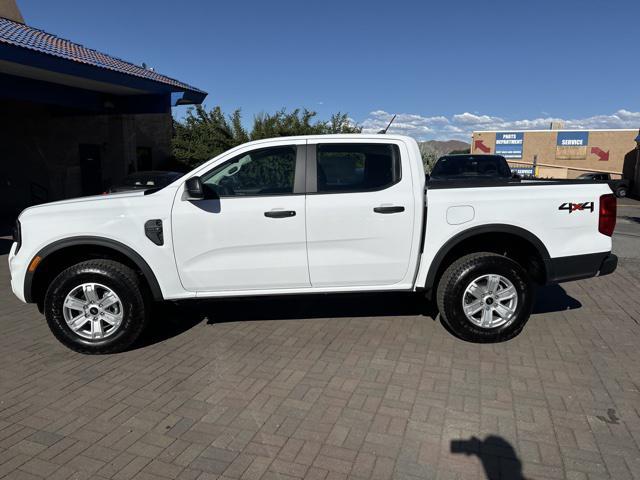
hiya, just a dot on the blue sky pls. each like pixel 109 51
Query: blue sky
pixel 446 67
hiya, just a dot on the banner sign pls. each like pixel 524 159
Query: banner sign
pixel 572 145
pixel 509 144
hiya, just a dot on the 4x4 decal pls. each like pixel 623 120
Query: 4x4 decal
pixel 572 207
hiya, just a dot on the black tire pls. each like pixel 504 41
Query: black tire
pixel 621 192
pixel 122 281
pixel 460 274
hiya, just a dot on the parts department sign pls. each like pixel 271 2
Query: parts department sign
pixel 509 144
pixel 572 145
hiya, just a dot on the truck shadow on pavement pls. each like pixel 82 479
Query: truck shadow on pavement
pixel 498 457
pixel 554 298
pixel 171 320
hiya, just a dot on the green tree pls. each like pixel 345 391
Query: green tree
pixel 202 135
pixel 341 123
pixel 283 124
pixel 299 122
pixel 429 159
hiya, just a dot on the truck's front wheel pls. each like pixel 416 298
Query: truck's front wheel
pixel 485 297
pixel 96 307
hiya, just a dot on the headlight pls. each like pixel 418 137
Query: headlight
pixel 17 235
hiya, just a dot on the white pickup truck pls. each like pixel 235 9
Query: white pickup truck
pixel 300 215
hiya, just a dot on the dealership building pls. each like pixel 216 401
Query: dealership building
pixel 75 120
pixel 565 153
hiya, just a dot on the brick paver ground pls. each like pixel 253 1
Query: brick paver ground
pixel 331 388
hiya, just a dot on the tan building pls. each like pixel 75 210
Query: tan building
pixel 562 153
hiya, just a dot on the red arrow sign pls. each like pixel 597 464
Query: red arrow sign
pixel 603 156
pixel 479 145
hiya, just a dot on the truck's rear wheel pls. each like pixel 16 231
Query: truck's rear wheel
pixel 485 297
pixel 96 307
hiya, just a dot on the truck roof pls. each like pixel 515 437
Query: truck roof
pixel 336 136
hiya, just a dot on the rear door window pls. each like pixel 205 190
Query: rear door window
pixel 357 167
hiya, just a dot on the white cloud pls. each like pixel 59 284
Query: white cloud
pixel 405 123
pixel 467 118
pixel 460 126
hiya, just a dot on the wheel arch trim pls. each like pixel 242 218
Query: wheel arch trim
pixel 479 230
pixel 119 247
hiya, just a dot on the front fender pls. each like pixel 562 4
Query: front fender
pixel 119 247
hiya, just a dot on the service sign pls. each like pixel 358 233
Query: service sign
pixel 509 144
pixel 573 139
pixel 523 171
pixel 572 145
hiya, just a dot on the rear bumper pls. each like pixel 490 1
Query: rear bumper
pixel 576 267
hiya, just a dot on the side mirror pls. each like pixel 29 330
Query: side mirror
pixel 193 187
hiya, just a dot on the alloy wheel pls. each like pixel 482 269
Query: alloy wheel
pixel 93 311
pixel 490 301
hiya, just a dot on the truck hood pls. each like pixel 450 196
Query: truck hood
pixel 92 198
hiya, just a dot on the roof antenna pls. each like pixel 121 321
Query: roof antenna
pixel 384 130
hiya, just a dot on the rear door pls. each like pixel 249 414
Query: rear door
pixel 360 213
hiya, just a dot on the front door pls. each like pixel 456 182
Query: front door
pixel 249 231
pixel 360 214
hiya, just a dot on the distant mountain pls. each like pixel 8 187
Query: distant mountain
pixel 438 148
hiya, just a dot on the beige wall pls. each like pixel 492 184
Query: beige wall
pixel 543 144
pixel 9 9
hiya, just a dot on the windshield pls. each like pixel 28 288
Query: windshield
pixel 463 166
